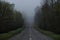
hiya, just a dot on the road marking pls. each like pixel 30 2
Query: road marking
pixel 30 38
pixel 30 35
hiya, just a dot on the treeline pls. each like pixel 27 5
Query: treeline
pixel 48 16
pixel 10 19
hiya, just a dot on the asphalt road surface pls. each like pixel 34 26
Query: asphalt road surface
pixel 30 33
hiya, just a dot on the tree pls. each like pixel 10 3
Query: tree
pixel 49 18
pixel 9 19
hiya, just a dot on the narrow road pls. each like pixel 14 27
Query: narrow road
pixel 30 34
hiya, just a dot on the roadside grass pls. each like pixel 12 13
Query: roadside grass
pixel 50 34
pixel 6 36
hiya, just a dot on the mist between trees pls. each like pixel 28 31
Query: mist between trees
pixel 46 17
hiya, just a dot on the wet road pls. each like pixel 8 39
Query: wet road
pixel 30 34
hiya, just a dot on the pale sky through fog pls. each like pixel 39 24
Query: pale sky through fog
pixel 26 6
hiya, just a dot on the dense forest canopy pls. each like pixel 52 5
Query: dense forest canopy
pixel 48 16
pixel 10 19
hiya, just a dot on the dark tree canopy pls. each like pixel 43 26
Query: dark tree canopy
pixel 49 18
pixel 10 19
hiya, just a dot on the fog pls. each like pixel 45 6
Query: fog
pixel 27 8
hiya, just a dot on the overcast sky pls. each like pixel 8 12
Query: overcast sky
pixel 26 6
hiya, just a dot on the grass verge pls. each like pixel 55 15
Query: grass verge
pixel 6 36
pixel 50 34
